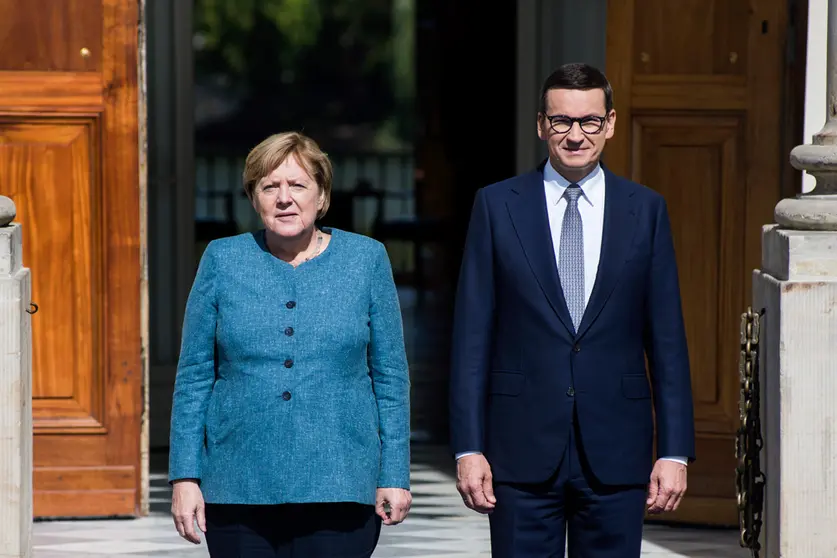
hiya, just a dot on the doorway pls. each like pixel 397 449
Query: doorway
pixel 706 115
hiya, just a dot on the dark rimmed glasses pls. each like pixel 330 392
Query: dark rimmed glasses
pixel 562 124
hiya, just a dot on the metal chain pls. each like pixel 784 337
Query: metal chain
pixel 749 478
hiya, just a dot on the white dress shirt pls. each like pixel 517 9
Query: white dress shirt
pixel 591 206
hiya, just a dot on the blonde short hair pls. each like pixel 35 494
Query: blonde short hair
pixel 273 151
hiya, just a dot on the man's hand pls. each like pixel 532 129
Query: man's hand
pixel 398 500
pixel 474 482
pixel 667 487
pixel 187 506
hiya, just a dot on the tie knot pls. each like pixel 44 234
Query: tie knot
pixel 573 192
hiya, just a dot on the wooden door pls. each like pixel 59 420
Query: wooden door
pixel 698 90
pixel 69 159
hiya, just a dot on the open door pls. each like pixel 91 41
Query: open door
pixel 698 92
pixel 69 155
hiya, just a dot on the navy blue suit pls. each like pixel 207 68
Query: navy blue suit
pixel 539 399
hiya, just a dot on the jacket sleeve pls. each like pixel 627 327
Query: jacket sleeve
pixel 472 334
pixel 390 375
pixel 665 346
pixel 195 374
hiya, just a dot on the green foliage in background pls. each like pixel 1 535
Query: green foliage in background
pixel 224 25
pixel 313 63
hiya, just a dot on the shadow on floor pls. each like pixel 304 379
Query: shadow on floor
pixel 692 541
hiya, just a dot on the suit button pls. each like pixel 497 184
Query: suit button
pixel 576 348
pixel 289 331
pixel 290 304
pixel 571 392
pixel 286 396
pixel 289 363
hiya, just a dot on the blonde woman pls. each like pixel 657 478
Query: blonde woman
pixel 290 421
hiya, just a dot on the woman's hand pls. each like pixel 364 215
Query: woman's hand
pixel 397 499
pixel 187 506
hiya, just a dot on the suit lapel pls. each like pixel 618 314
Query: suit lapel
pixel 527 210
pixel 617 238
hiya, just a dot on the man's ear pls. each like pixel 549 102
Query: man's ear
pixel 610 126
pixel 543 133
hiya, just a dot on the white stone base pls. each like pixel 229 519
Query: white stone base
pixel 797 289
pixel 15 399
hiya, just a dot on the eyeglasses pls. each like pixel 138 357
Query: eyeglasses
pixel 561 124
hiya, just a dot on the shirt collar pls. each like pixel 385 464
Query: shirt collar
pixel 556 184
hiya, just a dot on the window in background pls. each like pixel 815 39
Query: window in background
pixel 340 71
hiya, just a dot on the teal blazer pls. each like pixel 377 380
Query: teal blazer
pixel 292 384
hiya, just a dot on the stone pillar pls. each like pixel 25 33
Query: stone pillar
pixel 15 392
pixel 797 289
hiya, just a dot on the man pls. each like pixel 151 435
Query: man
pixel 568 282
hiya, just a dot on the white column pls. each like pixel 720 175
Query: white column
pixel 15 392
pixel 797 289
pixel 815 76
pixel 817 209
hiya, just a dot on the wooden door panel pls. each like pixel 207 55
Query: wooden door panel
pixel 696 163
pixel 691 37
pixel 49 164
pixel 80 475
pixel 31 92
pixel 49 35
pixel 69 157
pixel 698 93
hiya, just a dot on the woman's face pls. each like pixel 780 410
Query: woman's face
pixel 288 200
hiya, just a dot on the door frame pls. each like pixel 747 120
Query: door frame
pixel 142 181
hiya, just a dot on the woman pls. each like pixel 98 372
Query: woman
pixel 290 416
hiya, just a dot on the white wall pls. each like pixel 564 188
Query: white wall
pixel 815 74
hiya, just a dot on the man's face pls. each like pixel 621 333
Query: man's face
pixel 575 146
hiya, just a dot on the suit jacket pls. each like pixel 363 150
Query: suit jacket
pixel 292 384
pixel 519 371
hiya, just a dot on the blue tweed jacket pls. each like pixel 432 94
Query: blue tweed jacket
pixel 292 384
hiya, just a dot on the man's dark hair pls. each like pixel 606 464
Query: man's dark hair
pixel 577 76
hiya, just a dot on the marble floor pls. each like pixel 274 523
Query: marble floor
pixel 439 526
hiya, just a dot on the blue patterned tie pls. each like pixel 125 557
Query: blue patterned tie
pixel 571 256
